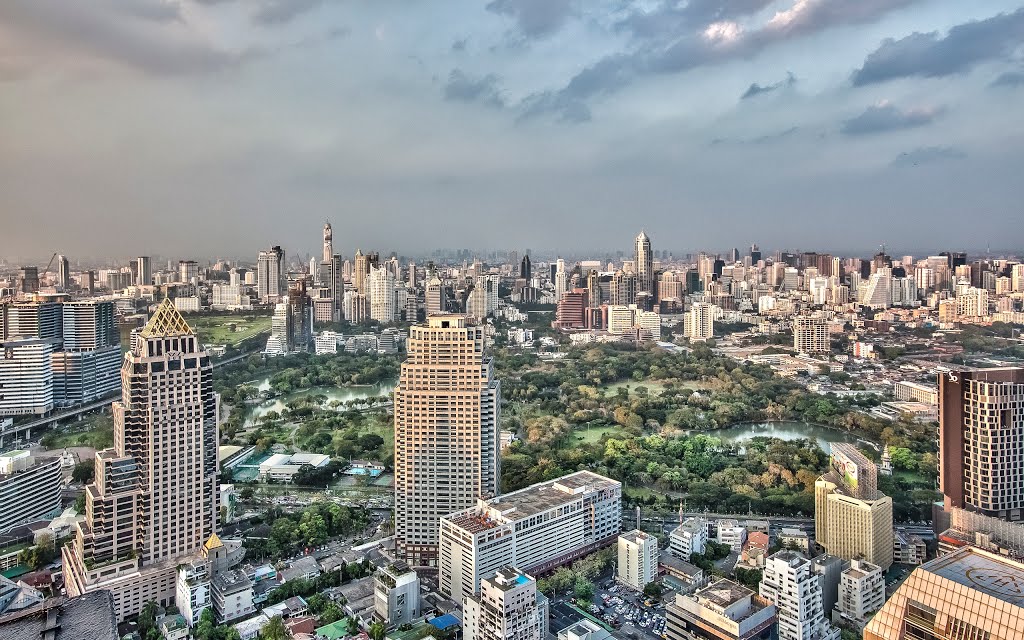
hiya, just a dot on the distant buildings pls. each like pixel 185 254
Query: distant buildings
pixel 271 275
pixel 790 584
pixel 637 559
pixel 446 432
pixel 509 607
pixel 724 610
pixel 536 528
pixel 851 517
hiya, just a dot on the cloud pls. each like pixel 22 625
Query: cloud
pixel 756 89
pixel 460 44
pixel 921 155
pixel 928 55
pixel 672 40
pixel 483 90
pixel 144 34
pixel 885 116
pixel 534 18
pixel 274 12
pixel 1009 79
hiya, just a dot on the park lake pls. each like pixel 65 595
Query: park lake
pixel 737 434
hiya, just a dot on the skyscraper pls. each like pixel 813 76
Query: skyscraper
pixel 644 260
pixel 361 269
pixel 328 242
pixel 380 290
pixel 155 497
pixel 561 279
pixel 526 269
pixel 981 441
pixel 63 273
pixel 143 271
pixel 271 275
pixel 446 432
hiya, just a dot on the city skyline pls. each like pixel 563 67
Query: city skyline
pixel 208 123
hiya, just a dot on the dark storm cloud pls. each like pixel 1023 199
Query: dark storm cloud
pixel 534 18
pixel 887 117
pixel 690 39
pixel 1009 79
pixel 923 155
pixel 485 90
pixel 928 55
pixel 756 89
pixel 143 34
pixel 273 12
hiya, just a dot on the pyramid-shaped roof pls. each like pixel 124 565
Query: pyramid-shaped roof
pixel 213 542
pixel 166 321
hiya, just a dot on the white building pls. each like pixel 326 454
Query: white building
pixel 327 342
pixel 789 582
pixel 232 596
pixel 699 322
pixel 188 304
pixel 509 607
pixel 26 377
pixel 30 488
pixel 538 528
pixel 381 293
pixel 861 592
pixel 282 466
pixel 228 297
pixel 688 538
pixel 193 591
pixel 396 594
pixel 732 533
pixel 638 559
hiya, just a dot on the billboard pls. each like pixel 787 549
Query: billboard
pixel 846 468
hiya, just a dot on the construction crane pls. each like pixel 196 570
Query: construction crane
pixel 48 265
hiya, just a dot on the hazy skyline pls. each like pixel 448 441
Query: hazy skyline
pixel 216 127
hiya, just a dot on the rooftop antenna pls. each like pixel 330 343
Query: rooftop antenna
pixel 638 517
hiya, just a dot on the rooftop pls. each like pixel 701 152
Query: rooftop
pixel 724 593
pixel 986 572
pixel 166 321
pixel 88 617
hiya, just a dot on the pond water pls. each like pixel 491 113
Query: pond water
pixel 737 434
pixel 341 394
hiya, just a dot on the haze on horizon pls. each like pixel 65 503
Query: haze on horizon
pixel 217 127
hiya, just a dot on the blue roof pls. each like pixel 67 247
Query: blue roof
pixel 445 621
pixel 522 580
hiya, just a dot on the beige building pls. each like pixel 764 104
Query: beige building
pixel 861 593
pixel 638 559
pixel 446 432
pixel 723 611
pixel 968 594
pixel 155 498
pixel 851 517
pixel 810 335
pixel 509 607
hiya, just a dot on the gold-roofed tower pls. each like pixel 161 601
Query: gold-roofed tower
pixel 166 321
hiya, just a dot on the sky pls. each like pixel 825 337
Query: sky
pixel 206 128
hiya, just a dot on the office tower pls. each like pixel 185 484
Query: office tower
pixel 300 318
pixel 790 279
pixel 356 307
pixel 638 559
pixel 643 259
pixel 380 290
pixel 271 275
pixel 699 322
pixel 446 431
pixel 89 281
pixel 755 254
pixel 794 589
pixel 278 344
pixel 29 280
pixel 623 289
pixel 435 298
pixel 509 607
pixel 972 302
pixel 861 592
pixel 537 529
pixel 851 517
pixel 143 271
pixel 42 320
pixel 155 497
pixel 26 376
pixel 478 302
pixel 328 254
pixel 30 488
pixel 86 367
pixel 967 594
pixel 876 292
pixel 561 279
pixel 670 287
pixel 334 281
pixel 361 269
pixel 723 610
pixel 396 594
pixel 571 311
pixel 688 538
pixel 188 271
pixel 810 335
pixel 981 441
pixel 63 273
pixel 526 269
pixel 411 279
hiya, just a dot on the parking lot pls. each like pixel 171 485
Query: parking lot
pixel 618 607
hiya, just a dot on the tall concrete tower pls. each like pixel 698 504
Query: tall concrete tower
pixel 644 259
pixel 446 432
pixel 328 242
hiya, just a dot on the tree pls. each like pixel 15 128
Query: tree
pixel 583 589
pixel 653 589
pixel 274 630
pixel 84 472
pixel 377 631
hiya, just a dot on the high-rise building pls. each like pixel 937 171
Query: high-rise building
pixel 300 322
pixel 328 243
pixel 396 594
pixel 509 607
pixel 623 289
pixel 143 271
pixel 638 559
pixel 967 594
pixel 536 528
pixel 643 258
pixel 188 271
pixel 561 279
pixel 526 269
pixel 26 376
pixel 790 584
pixel 155 497
pixel 861 592
pixel 699 322
pixel 435 298
pixel 29 280
pixel 851 517
pixel 361 269
pixel 63 273
pixel 810 335
pixel 271 275
pixel 981 441
pixel 724 610
pixel 380 290
pixel 755 254
pixel 446 431
pixel 30 489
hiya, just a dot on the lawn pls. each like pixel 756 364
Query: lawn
pixel 653 387
pixel 593 435
pixel 228 329
pixel 96 431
